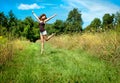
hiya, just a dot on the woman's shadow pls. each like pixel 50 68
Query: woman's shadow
pixel 54 52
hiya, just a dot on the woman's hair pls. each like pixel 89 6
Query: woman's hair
pixel 42 16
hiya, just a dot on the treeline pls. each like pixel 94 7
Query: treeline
pixel 10 25
pixel 109 22
pixel 13 27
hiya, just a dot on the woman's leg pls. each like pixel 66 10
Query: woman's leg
pixel 49 37
pixel 42 44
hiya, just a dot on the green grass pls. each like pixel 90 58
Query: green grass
pixel 56 66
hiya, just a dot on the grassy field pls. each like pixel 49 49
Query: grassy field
pixel 67 59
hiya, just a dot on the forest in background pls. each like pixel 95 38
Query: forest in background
pixel 11 26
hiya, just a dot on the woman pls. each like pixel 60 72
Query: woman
pixel 43 33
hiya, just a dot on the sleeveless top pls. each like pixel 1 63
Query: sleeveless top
pixel 42 26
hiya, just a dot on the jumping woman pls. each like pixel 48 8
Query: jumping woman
pixel 43 33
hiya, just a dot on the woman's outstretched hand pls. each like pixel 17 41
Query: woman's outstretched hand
pixel 50 18
pixel 32 11
pixel 55 15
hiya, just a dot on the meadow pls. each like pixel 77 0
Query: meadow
pixel 75 58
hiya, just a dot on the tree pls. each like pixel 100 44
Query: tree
pixel 50 28
pixel 59 26
pixel 12 23
pixel 12 20
pixel 3 19
pixel 18 30
pixel 95 24
pixel 3 23
pixel 74 21
pixel 117 21
pixel 108 21
pixel 88 29
pixel 31 32
pixel 117 18
pixel 28 29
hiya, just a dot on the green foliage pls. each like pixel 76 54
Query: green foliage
pixel 31 32
pixel 3 30
pixel 3 19
pixel 12 20
pixel 59 26
pixel 96 23
pixel 108 21
pixel 117 22
pixel 88 29
pixel 28 28
pixel 117 18
pixel 74 21
pixel 50 29
pixel 13 27
pixel 94 26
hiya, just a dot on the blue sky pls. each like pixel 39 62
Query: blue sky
pixel 89 8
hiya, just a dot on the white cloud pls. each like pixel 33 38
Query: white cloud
pixel 29 6
pixel 49 4
pixel 91 9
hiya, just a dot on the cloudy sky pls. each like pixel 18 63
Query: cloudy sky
pixel 89 8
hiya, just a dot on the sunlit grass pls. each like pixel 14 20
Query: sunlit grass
pixel 102 45
pixel 55 66
pixel 67 59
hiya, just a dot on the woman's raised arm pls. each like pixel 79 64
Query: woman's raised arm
pixel 36 16
pixel 50 18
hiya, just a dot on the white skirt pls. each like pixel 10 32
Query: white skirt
pixel 43 33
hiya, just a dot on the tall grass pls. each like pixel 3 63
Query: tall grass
pixel 9 47
pixel 86 58
pixel 55 66
pixel 103 45
pixel 6 50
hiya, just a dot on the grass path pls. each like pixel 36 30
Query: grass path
pixel 56 66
